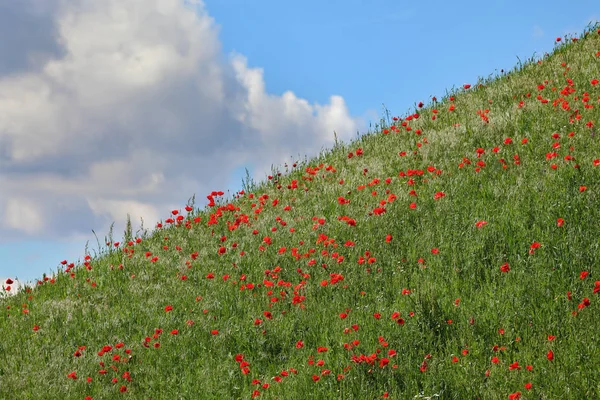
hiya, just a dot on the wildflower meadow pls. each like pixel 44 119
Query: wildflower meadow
pixel 452 252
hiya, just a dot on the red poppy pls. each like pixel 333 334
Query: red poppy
pixel 514 365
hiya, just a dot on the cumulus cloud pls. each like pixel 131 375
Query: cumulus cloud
pixel 120 107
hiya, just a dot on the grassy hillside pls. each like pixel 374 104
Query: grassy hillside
pixel 453 254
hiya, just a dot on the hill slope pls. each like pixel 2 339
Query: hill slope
pixel 454 252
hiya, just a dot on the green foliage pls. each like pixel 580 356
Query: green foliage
pixel 451 257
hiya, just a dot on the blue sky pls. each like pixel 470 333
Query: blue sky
pixel 389 52
pixel 368 53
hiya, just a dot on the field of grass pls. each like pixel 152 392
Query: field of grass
pixel 452 253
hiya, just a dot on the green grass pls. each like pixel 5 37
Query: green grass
pixel 441 270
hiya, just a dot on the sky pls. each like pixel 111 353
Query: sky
pixel 117 107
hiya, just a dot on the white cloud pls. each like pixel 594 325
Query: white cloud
pixel 133 108
pixel 537 32
pixel 23 214
pixel 118 210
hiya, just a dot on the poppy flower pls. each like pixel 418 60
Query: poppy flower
pixel 438 195
pixel 550 355
pixel 514 365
